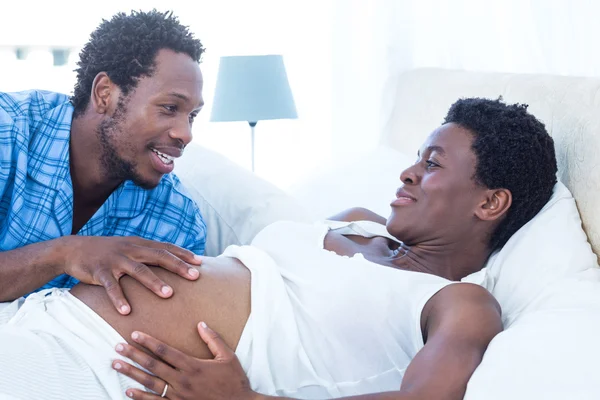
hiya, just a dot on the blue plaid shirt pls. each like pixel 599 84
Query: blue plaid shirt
pixel 36 193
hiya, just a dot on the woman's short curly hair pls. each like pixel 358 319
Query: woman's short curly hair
pixel 125 47
pixel 514 151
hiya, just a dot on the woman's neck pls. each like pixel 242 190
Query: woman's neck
pixel 451 261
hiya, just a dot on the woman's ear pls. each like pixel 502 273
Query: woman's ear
pixel 495 204
pixel 102 89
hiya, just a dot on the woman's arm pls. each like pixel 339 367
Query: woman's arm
pixel 358 214
pixel 459 323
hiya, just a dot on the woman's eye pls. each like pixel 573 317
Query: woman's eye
pixel 170 108
pixel 192 117
pixel 431 164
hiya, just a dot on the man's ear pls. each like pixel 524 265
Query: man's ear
pixel 103 93
pixel 494 205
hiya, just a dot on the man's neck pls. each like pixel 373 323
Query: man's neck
pixel 91 186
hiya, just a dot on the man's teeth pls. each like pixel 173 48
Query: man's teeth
pixel 165 158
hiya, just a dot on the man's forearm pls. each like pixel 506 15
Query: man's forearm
pixel 27 268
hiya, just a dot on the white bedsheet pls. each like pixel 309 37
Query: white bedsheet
pixel 55 347
pixel 7 310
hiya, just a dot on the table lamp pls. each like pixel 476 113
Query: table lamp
pixel 252 88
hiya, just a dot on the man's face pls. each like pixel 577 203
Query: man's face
pixel 153 124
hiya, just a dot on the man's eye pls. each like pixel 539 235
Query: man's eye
pixel 192 117
pixel 170 108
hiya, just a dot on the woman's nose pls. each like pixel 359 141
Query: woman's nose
pixel 409 175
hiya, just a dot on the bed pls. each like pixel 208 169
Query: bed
pixel 546 278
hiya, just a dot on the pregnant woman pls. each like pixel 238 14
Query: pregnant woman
pixel 322 310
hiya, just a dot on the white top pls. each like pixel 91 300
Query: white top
pixel 324 325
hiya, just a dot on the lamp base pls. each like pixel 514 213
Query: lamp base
pixel 252 125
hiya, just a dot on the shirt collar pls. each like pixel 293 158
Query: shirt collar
pixel 128 200
pixel 48 158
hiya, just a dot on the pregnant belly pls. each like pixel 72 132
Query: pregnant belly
pixel 220 297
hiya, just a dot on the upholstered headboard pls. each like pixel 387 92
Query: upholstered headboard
pixel 568 106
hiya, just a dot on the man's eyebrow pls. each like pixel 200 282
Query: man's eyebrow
pixel 179 95
pixel 184 98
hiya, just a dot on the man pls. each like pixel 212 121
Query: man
pixel 86 192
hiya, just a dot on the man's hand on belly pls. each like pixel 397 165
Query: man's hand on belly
pixel 102 261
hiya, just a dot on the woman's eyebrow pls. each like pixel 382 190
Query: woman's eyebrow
pixel 430 149
pixel 437 149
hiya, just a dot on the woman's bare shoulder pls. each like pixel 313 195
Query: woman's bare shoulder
pixel 358 214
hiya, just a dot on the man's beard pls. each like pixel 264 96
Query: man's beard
pixel 114 165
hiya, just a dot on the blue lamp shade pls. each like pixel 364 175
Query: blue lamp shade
pixel 252 88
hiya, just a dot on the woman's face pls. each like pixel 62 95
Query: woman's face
pixel 437 201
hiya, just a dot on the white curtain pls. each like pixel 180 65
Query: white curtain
pixel 342 58
pixel 374 41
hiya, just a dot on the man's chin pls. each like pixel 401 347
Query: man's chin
pixel 147 184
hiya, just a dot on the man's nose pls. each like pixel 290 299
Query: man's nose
pixel 182 132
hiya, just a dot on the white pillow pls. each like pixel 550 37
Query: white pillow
pixel 548 248
pixel 235 203
pixel 368 180
pixel 549 353
pixel 547 281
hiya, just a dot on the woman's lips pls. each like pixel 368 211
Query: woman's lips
pixel 402 201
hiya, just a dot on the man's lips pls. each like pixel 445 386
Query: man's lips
pixel 172 152
pixel 166 154
pixel 162 164
pixel 165 158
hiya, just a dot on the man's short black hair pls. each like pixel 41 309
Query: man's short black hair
pixel 514 151
pixel 125 47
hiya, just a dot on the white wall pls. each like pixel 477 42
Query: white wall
pixel 286 150
pixel 342 57
pixel 374 41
